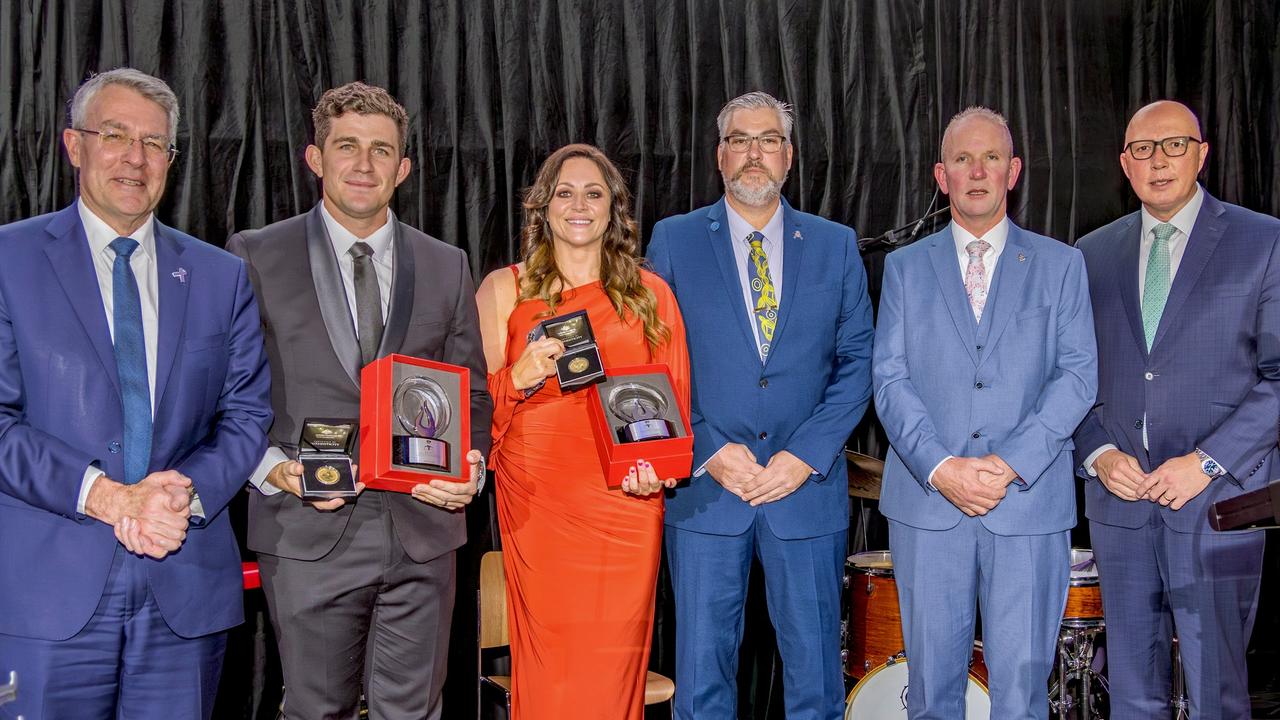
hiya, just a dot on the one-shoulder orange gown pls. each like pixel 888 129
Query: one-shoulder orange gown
pixel 581 559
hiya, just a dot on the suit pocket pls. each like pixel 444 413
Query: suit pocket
pixel 204 342
pixel 1032 314
pixel 1233 290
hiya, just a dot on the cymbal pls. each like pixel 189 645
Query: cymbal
pixel 865 474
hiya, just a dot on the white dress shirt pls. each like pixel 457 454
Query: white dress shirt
pixel 1183 222
pixel 341 239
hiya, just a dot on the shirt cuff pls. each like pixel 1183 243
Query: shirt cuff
pixel 91 475
pixel 702 469
pixel 272 457
pixel 934 471
pixel 1093 457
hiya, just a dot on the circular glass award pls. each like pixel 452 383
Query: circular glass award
pixel 640 406
pixel 423 410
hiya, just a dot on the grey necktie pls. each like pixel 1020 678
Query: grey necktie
pixel 368 302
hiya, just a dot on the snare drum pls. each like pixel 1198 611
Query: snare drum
pixel 1084 595
pixel 882 694
pixel 875 623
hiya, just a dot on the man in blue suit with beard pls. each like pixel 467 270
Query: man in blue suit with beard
pixel 1186 294
pixel 779 326
pixel 134 402
pixel 984 365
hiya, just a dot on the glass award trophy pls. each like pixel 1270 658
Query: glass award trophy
pixel 423 410
pixel 635 414
pixel 324 449
pixel 640 406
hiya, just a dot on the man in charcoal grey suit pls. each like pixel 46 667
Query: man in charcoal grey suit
pixel 361 594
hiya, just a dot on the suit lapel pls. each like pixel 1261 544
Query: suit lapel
pixel 1205 236
pixel 943 255
pixel 401 305
pixel 68 253
pixel 1006 289
pixel 1129 238
pixel 793 256
pixel 332 296
pixel 722 248
pixel 172 282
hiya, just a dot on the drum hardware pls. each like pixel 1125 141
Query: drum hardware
pixel 874 631
pixel 1180 702
pixel 882 693
pixel 9 691
pixel 1078 670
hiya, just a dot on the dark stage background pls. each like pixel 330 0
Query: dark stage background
pixel 493 87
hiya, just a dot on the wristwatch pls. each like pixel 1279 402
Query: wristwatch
pixel 1208 465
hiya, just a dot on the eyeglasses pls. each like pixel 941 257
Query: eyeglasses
pixel 742 143
pixel 153 148
pixel 1172 147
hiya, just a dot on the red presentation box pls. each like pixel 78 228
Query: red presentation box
pixel 671 456
pixel 405 380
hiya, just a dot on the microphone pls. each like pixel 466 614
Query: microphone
pixel 888 239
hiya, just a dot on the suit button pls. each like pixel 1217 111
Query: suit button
pixel 764 436
pixel 977 435
pixel 1149 376
pixel 113 447
pixel 978 385
pixel 979 347
pixel 1137 424
pixel 764 383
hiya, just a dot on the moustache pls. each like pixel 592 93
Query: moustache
pixel 753 166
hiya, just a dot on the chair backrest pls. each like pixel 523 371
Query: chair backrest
pixel 493 601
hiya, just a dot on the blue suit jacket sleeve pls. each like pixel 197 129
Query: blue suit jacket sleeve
pixel 706 439
pixel 39 469
pixel 1244 438
pixel 819 439
pixel 898 406
pixel 222 462
pixel 1039 438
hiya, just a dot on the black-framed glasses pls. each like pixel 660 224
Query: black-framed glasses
pixel 1175 146
pixel 770 143
pixel 153 147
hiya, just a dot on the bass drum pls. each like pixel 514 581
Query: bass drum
pixel 882 694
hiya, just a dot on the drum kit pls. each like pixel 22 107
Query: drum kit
pixel 874 656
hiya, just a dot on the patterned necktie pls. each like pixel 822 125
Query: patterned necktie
pixel 762 294
pixel 368 302
pixel 1155 288
pixel 975 277
pixel 131 362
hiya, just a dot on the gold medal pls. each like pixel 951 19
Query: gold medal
pixel 328 475
pixel 578 364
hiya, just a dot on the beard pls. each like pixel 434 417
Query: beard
pixel 751 194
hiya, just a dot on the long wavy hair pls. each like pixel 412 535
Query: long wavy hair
pixel 620 262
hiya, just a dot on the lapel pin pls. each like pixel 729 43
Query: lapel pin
pixel 1022 258
pixel 181 274
pixel 798 236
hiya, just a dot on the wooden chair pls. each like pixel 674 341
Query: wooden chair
pixel 493 631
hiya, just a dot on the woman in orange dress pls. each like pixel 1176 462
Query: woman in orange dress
pixel 581 559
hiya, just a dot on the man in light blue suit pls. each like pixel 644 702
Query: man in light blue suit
pixel 1186 295
pixel 134 402
pixel 779 326
pixel 984 365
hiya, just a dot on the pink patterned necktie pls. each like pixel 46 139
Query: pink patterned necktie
pixel 975 277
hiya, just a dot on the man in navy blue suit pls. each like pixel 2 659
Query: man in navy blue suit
pixel 779 325
pixel 1186 297
pixel 133 405
pixel 984 364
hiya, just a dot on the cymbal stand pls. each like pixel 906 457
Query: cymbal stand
pixel 1180 702
pixel 1076 650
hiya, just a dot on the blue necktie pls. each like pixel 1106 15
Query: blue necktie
pixel 131 362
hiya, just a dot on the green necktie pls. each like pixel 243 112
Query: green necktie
pixel 1155 289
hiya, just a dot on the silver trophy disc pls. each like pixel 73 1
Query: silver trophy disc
pixel 422 408
pixel 640 406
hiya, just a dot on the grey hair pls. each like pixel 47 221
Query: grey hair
pixel 151 88
pixel 753 101
pixel 978 111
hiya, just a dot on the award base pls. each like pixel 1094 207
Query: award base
pixel 325 477
pixel 671 456
pixel 419 452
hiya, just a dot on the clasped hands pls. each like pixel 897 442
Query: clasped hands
pixel 149 517
pixel 1176 482
pixel 444 494
pixel 734 466
pixel 975 485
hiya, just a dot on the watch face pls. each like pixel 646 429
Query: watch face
pixel 1210 468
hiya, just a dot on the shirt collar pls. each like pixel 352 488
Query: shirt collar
pixel 739 228
pixel 100 234
pixel 996 237
pixel 343 239
pixel 1184 219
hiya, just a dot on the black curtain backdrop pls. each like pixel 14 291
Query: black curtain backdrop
pixel 493 87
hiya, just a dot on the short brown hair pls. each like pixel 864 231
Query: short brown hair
pixel 360 99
